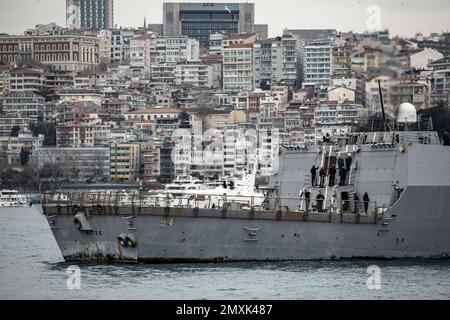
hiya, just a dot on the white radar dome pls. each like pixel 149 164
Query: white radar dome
pixel 406 113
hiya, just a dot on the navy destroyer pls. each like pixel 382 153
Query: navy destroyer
pixel 391 200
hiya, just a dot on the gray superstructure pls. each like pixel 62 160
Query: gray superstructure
pixel 406 175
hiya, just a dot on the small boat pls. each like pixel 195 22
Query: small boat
pixel 12 198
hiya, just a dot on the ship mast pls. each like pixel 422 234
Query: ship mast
pixel 382 107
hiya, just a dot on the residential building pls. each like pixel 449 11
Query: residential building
pixel 215 43
pixel 163 72
pixel 142 52
pixel 4 79
pixel 25 105
pixel 176 49
pixel 334 118
pixel 200 20
pixel 116 109
pixel 293 61
pixel 8 122
pixel 115 44
pixel 30 80
pixel 356 83
pixel 341 61
pixel 216 63
pixel 318 63
pixel 152 159
pixel 409 90
pixel 90 14
pixel 57 79
pixel 80 95
pixel 77 134
pixel 167 167
pixel 153 114
pixel 193 73
pixel 268 62
pixel 440 77
pixel 238 67
pixel 125 162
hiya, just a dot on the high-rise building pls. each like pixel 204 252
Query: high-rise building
pixel 238 67
pixel 279 60
pixel 90 14
pixel 318 63
pixel 200 20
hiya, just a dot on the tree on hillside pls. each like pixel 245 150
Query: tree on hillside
pixel 24 157
pixel 15 131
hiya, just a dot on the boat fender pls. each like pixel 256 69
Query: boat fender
pixel 122 239
pixel 131 241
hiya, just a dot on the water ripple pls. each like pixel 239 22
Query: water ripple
pixel 32 268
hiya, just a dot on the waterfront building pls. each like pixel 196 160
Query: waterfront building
pixel 76 164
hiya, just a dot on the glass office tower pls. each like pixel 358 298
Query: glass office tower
pixel 199 20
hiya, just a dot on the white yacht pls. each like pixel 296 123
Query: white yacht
pixel 182 184
pixel 11 198
pixel 238 193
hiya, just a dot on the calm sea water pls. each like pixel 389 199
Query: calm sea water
pixel 31 267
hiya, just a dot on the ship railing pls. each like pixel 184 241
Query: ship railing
pixel 295 208
pixel 339 206
pixel 208 201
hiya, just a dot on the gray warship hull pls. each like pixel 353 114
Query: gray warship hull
pixel 416 225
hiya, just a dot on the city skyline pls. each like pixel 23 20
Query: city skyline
pixel 397 16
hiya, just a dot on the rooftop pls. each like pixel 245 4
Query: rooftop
pixel 237 36
pixel 156 110
pixel 239 46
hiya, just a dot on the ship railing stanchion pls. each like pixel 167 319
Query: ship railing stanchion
pixel 44 204
pixel 109 202
pixel 116 200
pixel 167 201
pixel 132 203
pixel 252 207
pixel 82 199
pixel 225 204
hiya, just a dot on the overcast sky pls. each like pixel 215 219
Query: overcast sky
pixel 402 17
